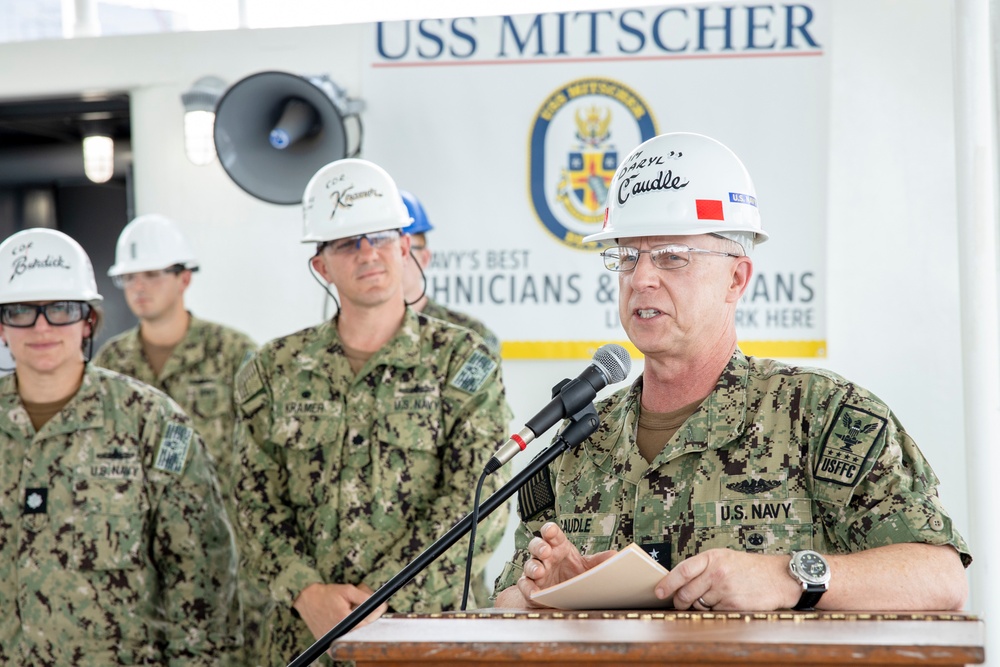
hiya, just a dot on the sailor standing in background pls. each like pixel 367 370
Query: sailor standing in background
pixel 361 439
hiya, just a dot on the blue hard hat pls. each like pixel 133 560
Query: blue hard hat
pixel 420 222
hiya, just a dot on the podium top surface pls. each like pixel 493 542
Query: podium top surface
pixel 933 638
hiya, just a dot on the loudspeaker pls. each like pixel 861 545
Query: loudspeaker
pixel 274 130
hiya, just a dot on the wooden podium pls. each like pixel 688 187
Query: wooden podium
pixel 559 639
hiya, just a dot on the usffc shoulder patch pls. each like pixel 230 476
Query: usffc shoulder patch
pixel 174 447
pixel 536 496
pixel 848 445
pixel 474 372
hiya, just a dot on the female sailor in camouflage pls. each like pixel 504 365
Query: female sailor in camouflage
pixel 115 549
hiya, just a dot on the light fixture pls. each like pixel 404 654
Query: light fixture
pixel 199 118
pixel 98 156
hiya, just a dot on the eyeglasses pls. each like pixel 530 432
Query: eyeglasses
pixel 670 256
pixel 123 281
pixel 57 313
pixel 351 245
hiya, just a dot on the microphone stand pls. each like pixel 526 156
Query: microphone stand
pixel 580 427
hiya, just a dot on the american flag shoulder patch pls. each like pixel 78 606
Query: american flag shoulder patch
pixel 474 372
pixel 174 448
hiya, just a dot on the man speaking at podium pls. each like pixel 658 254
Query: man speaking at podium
pixel 761 486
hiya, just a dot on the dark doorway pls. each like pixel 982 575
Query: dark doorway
pixel 43 183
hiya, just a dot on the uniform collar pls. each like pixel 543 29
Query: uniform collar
pixel 189 351
pixel 325 353
pixel 84 411
pixel 718 421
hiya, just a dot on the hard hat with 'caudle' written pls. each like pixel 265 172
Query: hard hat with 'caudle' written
pixel 151 243
pixel 681 184
pixel 351 197
pixel 45 265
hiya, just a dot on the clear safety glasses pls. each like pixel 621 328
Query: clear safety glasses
pixel 351 245
pixel 123 281
pixel 668 257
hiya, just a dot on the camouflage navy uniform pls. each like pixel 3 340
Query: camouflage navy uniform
pixel 777 458
pixel 111 533
pixel 198 375
pixel 435 309
pixel 347 478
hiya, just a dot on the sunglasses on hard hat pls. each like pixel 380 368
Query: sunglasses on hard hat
pixel 57 313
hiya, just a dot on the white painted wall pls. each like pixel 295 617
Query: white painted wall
pixel 893 278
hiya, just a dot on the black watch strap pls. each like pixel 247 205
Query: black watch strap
pixel 810 596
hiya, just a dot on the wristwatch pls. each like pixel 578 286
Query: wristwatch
pixel 813 574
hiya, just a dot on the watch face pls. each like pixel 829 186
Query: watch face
pixel 812 567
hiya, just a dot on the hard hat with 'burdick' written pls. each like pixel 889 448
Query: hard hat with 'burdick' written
pixel 45 265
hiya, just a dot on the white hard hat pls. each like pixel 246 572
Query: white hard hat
pixel 45 265
pixel 681 184
pixel 151 243
pixel 348 198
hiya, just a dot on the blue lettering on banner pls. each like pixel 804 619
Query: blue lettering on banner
pixel 782 28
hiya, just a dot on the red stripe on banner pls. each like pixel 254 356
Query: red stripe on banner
pixel 709 209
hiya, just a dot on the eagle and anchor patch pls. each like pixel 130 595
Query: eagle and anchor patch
pixel 845 452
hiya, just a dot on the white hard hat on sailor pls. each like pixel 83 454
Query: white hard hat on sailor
pixel 151 243
pixel 45 265
pixel 351 197
pixel 681 184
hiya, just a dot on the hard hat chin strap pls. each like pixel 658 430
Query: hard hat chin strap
pixel 324 285
pixel 423 281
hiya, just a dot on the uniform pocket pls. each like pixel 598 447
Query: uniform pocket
pixel 311 435
pixel 111 524
pixel 762 538
pixel 110 542
pixel 210 400
pixel 406 444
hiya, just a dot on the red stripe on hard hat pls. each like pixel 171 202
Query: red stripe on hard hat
pixel 709 209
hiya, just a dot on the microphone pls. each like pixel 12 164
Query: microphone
pixel 611 365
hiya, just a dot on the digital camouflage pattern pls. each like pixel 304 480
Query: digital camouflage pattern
pixel 435 309
pixel 346 479
pixel 778 458
pixel 112 533
pixel 199 375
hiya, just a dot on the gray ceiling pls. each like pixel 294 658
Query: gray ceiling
pixel 40 140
